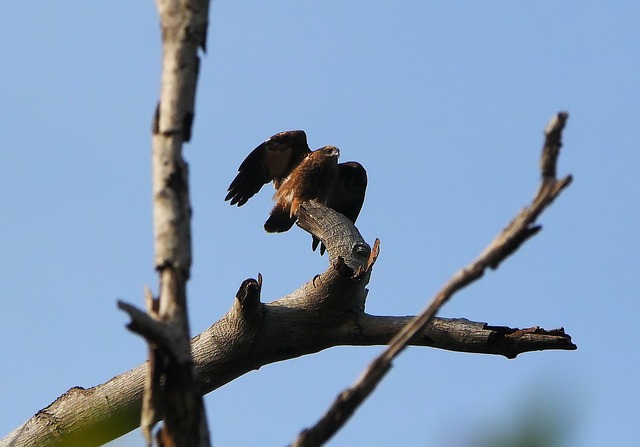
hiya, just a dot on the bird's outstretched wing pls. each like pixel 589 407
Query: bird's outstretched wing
pixel 273 160
pixel 348 193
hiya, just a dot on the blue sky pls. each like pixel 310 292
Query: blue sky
pixel 444 103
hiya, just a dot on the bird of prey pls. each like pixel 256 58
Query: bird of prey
pixel 299 174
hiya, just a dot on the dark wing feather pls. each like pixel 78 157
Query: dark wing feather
pixel 348 193
pixel 273 160
pixel 349 190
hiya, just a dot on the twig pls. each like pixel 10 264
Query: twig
pixel 509 240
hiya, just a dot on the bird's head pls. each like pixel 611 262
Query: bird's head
pixel 330 151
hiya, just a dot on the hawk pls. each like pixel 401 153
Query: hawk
pixel 299 174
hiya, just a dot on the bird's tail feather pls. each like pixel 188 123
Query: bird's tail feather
pixel 280 220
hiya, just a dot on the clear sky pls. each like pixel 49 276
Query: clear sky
pixel 444 103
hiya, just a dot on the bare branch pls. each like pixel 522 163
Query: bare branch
pixel 509 240
pixel 184 27
pixel 462 335
pixel 552 145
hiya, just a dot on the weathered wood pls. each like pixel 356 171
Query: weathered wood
pixel 170 384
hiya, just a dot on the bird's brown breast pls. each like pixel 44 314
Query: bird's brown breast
pixel 312 179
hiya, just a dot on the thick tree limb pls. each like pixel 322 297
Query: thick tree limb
pixel 250 336
pixel 510 239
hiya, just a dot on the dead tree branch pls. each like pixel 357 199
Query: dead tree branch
pixel 508 241
pixel 166 327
